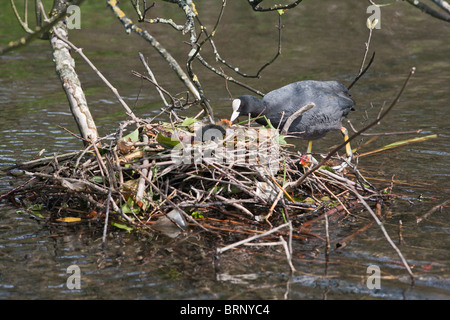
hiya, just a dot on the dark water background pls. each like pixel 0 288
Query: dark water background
pixel 322 40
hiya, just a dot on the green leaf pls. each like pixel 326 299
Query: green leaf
pixel 96 179
pixel 281 140
pixel 122 226
pixel 36 207
pixel 133 136
pixel 129 207
pixel 327 168
pixel 309 200
pixel 189 121
pixel 166 142
pixel 197 215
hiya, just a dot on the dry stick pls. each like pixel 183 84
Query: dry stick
pixel 236 244
pixel 16 188
pixel 45 160
pixel 370 125
pixel 236 205
pixel 258 73
pixel 333 195
pixel 432 210
pixel 105 227
pixel 280 26
pixel 383 133
pixel 23 23
pixel 152 81
pixel 73 134
pixel 141 184
pixel 114 90
pixel 400 235
pixel 288 254
pixel 233 179
pixel 327 236
pixel 295 115
pixel 152 76
pixel 386 235
pixel 342 243
pixel 100 162
pixel 361 70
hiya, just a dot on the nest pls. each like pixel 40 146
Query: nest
pixel 179 176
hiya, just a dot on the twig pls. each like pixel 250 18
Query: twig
pixel 73 134
pixel 23 23
pixel 150 73
pixel 400 234
pixel 236 244
pixel 236 205
pixel 386 235
pixel 258 73
pixel 294 116
pixel 362 72
pixel 432 210
pixel 384 133
pixel 16 188
pixel 160 89
pixel 342 243
pixel 288 253
pixel 105 227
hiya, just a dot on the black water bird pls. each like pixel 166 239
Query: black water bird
pixel 213 131
pixel 327 103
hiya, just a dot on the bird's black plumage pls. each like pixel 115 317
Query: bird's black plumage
pixel 332 104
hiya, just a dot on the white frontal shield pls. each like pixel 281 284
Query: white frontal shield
pixel 236 104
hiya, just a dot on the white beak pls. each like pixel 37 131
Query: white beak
pixel 236 104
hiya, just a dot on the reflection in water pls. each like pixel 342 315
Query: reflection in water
pixel 321 41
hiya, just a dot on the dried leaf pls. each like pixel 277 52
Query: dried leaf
pixel 69 219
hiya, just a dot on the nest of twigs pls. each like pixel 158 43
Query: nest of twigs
pixel 179 176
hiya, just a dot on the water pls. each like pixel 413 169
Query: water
pixel 322 41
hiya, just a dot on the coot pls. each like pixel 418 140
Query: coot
pixel 330 101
